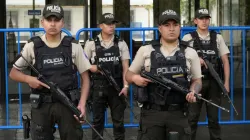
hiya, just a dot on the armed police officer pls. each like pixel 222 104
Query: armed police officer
pixel 211 46
pixel 164 109
pixel 112 54
pixel 58 58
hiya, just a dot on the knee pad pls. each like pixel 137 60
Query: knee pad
pixel 39 132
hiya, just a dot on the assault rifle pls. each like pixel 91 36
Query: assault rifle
pixel 113 83
pixel 109 77
pixel 61 96
pixel 215 75
pixel 164 82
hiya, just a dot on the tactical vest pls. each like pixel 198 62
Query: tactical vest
pixel 172 67
pixel 208 49
pixel 110 59
pixel 55 64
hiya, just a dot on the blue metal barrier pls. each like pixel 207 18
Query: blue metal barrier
pixel 185 30
pixel 156 34
pixel 118 30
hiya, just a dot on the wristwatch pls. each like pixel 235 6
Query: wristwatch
pixel 126 86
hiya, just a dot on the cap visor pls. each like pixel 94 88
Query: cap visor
pixel 166 20
pixel 53 14
pixel 110 21
pixel 202 16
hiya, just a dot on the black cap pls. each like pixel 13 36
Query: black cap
pixel 53 10
pixel 202 12
pixel 108 18
pixel 167 15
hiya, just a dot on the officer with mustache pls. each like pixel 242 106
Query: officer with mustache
pixel 163 110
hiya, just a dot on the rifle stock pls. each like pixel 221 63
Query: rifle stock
pixel 167 83
pixel 215 75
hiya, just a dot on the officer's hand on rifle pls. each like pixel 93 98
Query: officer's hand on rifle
pixel 81 107
pixel 94 69
pixel 140 81
pixel 190 97
pixel 35 83
pixel 203 63
pixel 124 91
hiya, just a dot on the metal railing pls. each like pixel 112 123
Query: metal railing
pixel 184 30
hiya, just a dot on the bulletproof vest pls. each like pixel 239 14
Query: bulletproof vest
pixel 207 49
pixel 55 64
pixel 171 67
pixel 110 59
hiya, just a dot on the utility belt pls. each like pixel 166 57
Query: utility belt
pixel 97 83
pixel 36 99
pixel 167 107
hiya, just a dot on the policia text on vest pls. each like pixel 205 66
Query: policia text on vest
pixel 61 96
pixel 210 55
pixel 58 58
pixel 213 56
pixel 163 109
pixel 109 56
pixel 169 84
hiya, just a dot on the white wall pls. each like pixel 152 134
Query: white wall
pixel 141 15
pixel 77 18
pixel 107 9
pixel 23 18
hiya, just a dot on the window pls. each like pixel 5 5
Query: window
pixel 132 15
pixel 34 23
pixel 67 20
pixel 12 19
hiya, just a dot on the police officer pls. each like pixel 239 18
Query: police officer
pixel 112 54
pixel 211 45
pixel 58 58
pixel 164 109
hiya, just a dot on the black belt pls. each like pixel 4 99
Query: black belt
pixel 170 107
pixel 48 99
